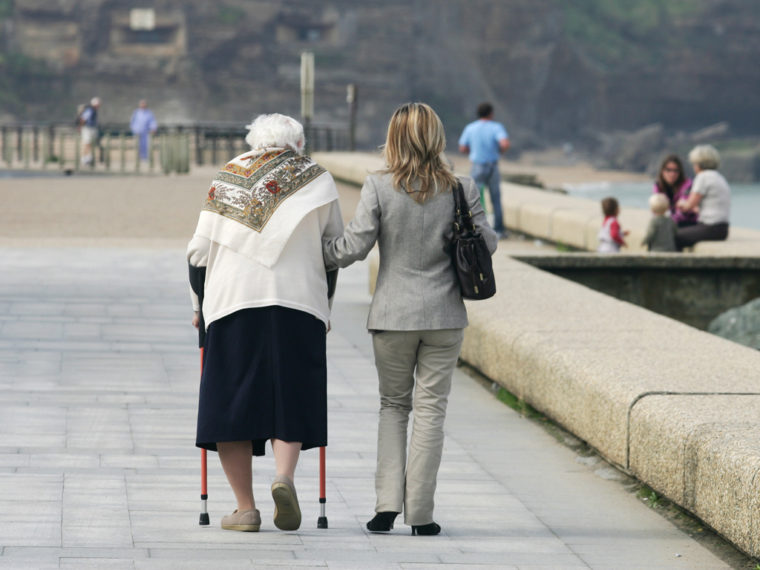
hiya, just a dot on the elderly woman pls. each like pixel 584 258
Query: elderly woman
pixel 710 198
pixel 266 310
pixel 417 315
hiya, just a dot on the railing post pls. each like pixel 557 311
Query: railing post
pixel 198 149
pixel 186 152
pixel 6 147
pixel 19 144
pixel 35 143
pixel 27 151
pixel 136 139
pixel 77 152
pixel 107 151
pixel 61 152
pixel 51 141
pixel 123 152
pixel 44 149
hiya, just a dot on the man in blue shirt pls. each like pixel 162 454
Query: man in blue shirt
pixel 143 124
pixel 484 140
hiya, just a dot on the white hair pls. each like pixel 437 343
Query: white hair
pixel 275 130
pixel 705 156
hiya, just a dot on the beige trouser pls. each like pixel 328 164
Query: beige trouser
pixel 410 481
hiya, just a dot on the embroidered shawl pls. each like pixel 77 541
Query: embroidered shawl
pixel 257 200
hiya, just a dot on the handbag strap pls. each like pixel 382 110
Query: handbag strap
pixel 462 212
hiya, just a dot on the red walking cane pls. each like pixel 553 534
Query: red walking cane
pixel 204 521
pixel 322 520
pixel 197 280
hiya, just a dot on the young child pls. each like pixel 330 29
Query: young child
pixel 661 233
pixel 610 236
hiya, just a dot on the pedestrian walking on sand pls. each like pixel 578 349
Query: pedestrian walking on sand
pixel 266 312
pixel 484 140
pixel 417 314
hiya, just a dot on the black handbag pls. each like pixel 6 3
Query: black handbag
pixel 469 253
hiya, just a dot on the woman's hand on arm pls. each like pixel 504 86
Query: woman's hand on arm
pixel 360 234
pixel 691 203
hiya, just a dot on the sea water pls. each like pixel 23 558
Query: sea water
pixel 745 198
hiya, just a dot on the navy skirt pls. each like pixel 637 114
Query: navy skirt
pixel 264 376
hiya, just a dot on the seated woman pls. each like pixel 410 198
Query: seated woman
pixel 266 311
pixel 710 198
pixel 675 185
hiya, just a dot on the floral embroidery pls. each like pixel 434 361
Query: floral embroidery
pixel 242 194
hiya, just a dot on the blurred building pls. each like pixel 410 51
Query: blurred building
pixel 555 70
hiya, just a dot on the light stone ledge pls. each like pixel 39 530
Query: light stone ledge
pixel 683 420
pixel 674 406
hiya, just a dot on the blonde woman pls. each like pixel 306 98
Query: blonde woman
pixel 417 315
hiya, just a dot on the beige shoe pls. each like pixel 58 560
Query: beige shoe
pixel 287 513
pixel 248 521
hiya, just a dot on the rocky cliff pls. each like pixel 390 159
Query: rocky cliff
pixel 555 70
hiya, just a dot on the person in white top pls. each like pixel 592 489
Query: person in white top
pixel 710 198
pixel 266 312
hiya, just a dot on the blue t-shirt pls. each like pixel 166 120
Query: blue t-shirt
pixel 482 137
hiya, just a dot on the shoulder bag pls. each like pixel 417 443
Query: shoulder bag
pixel 469 253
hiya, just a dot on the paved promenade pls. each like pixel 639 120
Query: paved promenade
pixel 98 380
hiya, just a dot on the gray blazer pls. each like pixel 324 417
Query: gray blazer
pixel 417 288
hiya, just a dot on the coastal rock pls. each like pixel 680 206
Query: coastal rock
pixel 741 165
pixel 709 135
pixel 631 151
pixel 740 324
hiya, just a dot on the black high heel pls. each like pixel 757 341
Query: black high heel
pixel 426 529
pixel 382 522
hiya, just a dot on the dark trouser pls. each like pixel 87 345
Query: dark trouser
pixel 688 236
pixel 487 174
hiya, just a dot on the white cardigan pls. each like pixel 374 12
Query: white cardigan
pixel 296 279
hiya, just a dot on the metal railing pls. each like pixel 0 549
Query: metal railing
pixel 173 148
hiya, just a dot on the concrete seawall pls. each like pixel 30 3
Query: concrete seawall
pixel 674 406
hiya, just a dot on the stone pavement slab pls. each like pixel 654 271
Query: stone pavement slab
pixel 98 381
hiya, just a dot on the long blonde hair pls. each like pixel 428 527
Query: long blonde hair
pixel 414 152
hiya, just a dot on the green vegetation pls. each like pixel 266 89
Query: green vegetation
pixel 6 8
pixel 230 15
pixel 521 406
pixel 613 32
pixel 648 495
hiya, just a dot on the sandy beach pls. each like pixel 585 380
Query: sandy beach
pixel 161 211
pixel 91 210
